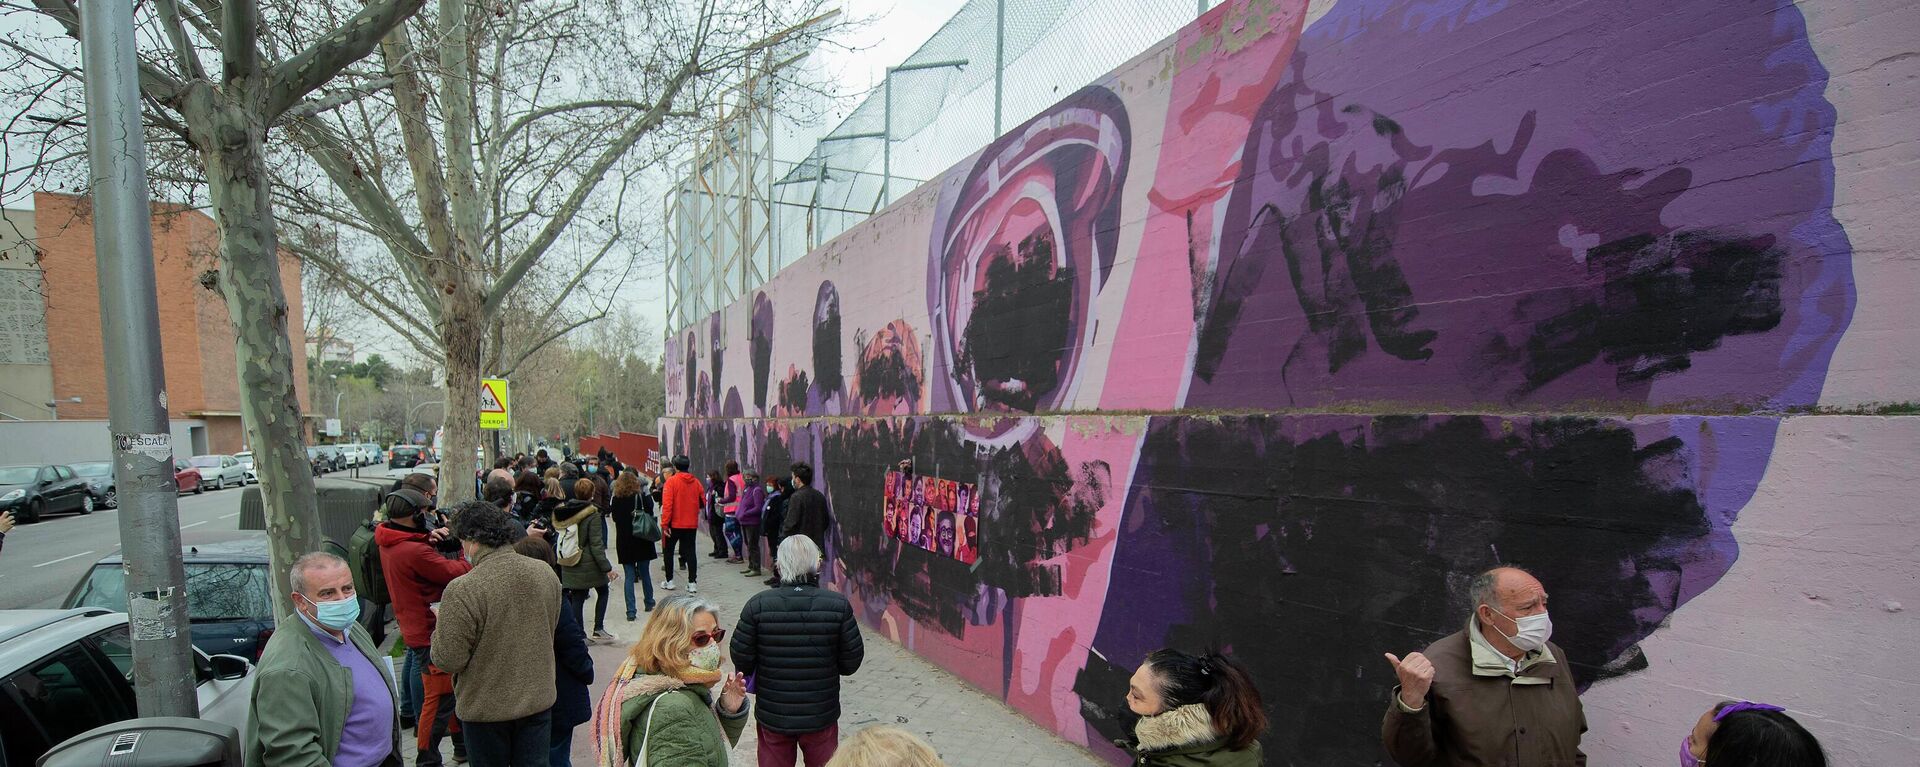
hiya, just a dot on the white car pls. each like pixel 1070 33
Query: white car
pixel 219 472
pixel 64 672
pixel 246 462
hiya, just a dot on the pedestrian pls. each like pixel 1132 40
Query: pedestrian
pixel 526 497
pixel 573 667
pixel 630 499
pixel 772 519
pixel 796 641
pixel 6 526
pixel 1505 694
pixel 321 696
pixel 502 468
pixel 581 546
pixel 732 491
pixel 551 496
pixel 541 463
pixel 680 520
pixel 807 512
pixel 1748 734
pixel 716 514
pixel 419 557
pixel 884 746
pixel 660 707
pixel 1194 710
pixel 489 620
pixel 752 507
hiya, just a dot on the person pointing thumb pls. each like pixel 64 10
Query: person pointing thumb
pixel 1416 676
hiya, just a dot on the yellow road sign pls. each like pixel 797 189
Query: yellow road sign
pixel 494 409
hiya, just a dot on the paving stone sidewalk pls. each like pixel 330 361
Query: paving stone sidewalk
pixel 893 686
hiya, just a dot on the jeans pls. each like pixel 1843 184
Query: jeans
pixel 684 541
pixel 560 747
pixel 410 684
pixel 778 749
pixel 638 571
pixel 522 742
pixel 751 536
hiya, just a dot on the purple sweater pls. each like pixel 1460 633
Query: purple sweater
pixel 753 500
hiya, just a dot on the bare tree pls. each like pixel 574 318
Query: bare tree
pixel 514 132
pixel 213 85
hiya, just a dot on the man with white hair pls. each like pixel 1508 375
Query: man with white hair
pixel 319 696
pixel 796 640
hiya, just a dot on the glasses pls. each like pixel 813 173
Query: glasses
pixel 701 638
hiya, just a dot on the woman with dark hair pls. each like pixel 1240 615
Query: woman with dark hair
pixel 1748 734
pixel 1195 710
pixel 775 516
pixel 716 519
pixel 629 499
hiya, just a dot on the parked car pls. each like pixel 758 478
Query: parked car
pixel 375 455
pixel 407 456
pixel 246 462
pixel 64 672
pixel 219 470
pixel 99 477
pixel 228 599
pixel 31 492
pixel 187 478
pixel 336 460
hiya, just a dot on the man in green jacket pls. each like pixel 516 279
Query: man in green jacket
pixel 321 697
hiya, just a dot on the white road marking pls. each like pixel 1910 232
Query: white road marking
pixel 63 559
pixel 196 524
pixel 230 516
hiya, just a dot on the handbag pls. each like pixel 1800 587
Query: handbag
pixel 645 526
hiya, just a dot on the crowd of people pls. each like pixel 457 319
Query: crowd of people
pixel 490 599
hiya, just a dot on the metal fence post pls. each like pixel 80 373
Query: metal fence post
pixel 136 389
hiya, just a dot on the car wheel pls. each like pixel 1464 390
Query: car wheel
pixel 199 487
pixel 86 503
pixel 36 509
pixel 112 498
pixel 219 483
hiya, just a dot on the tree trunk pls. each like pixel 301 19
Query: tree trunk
pixel 257 304
pixel 462 330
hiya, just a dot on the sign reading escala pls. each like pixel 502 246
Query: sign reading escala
pixel 493 404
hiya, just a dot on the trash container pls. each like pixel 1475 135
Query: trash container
pixel 159 741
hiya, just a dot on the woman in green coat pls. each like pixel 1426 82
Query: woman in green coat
pixel 1196 710
pixel 661 709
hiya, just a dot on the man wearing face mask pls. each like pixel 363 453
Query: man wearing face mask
pixel 1496 692
pixel 319 696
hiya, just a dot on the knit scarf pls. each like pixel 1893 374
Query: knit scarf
pixel 628 683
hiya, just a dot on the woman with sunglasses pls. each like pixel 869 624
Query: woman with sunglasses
pixel 661 707
pixel 1748 734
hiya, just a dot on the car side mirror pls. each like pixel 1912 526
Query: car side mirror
pixel 230 667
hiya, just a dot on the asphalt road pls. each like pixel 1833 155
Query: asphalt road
pixel 43 561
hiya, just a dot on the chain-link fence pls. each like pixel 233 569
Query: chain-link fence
pixel 740 215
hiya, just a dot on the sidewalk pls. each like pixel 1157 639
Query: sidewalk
pixel 894 687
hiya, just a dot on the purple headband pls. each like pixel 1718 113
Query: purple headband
pixel 1745 705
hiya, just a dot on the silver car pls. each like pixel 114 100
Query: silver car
pixel 64 672
pixel 218 472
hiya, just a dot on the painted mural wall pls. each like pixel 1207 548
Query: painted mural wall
pixel 1274 337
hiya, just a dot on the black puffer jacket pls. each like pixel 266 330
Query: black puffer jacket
pixel 796 641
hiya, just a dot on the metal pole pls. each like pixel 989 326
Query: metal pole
pixel 1000 56
pixel 886 138
pixel 136 392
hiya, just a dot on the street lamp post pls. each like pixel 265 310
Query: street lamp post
pixel 407 423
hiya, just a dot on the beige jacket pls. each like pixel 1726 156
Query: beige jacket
pixel 495 636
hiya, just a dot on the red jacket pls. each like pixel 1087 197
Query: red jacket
pixel 680 502
pixel 416 574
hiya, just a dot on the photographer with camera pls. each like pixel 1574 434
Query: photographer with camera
pixel 419 557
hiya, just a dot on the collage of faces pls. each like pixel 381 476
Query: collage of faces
pixel 939 515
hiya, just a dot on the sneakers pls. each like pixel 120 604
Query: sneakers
pixel 754 573
pixel 735 560
pixel 668 585
pixel 603 637
pixel 693 588
pixel 631 617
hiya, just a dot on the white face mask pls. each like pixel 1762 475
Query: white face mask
pixel 1531 632
pixel 706 658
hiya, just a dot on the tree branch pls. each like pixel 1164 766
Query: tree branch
pixel 154 82
pixel 183 51
pixel 368 298
pixel 291 80
pixel 336 99
pixel 537 346
pixel 240 45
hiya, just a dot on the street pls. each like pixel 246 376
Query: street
pixel 43 561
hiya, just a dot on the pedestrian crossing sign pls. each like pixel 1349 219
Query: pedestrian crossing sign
pixel 493 403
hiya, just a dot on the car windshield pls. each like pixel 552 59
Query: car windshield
pixel 205 461
pixel 94 469
pixel 215 591
pixel 18 475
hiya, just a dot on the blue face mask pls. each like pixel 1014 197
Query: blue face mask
pixel 336 615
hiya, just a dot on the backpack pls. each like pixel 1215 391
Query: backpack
pixel 566 545
pixel 363 557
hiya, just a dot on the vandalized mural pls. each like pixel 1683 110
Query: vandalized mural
pixel 1273 339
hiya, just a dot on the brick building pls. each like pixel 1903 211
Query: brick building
pixel 48 270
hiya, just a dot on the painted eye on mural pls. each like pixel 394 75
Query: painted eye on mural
pixel 1022 248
